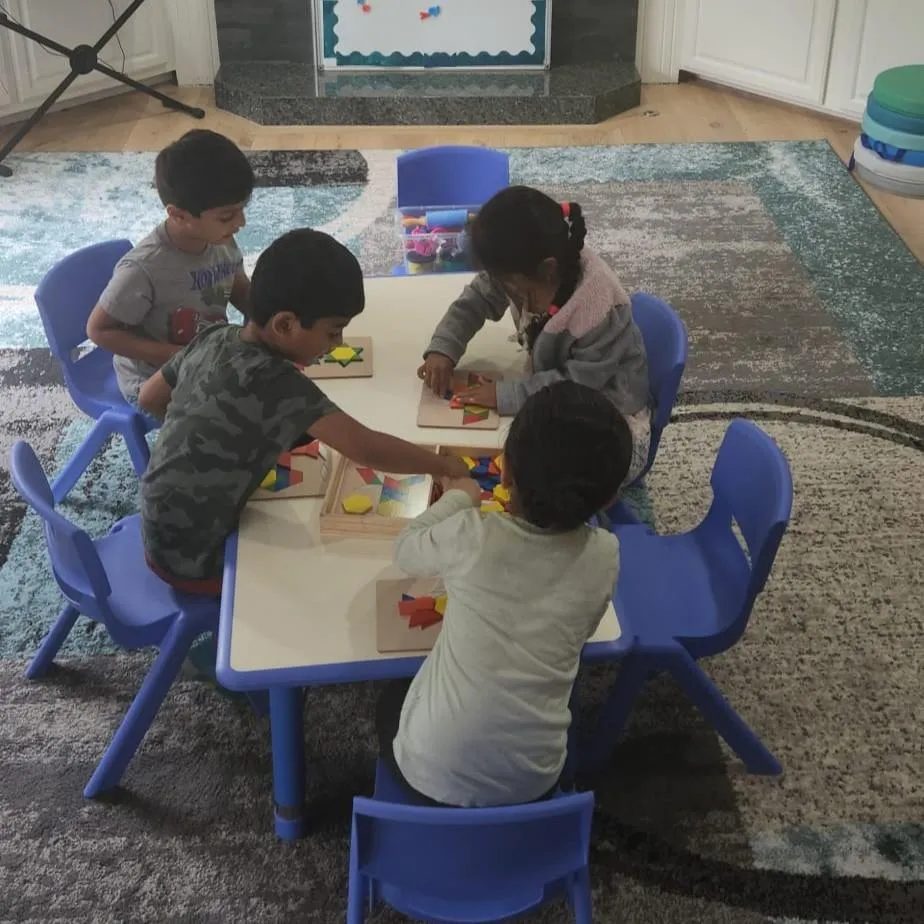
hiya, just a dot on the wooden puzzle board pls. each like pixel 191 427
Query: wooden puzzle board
pixel 393 634
pixel 394 499
pixel 355 367
pixel 392 629
pixel 303 472
pixel 436 411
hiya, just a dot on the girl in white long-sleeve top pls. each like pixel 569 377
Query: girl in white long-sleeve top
pixel 485 720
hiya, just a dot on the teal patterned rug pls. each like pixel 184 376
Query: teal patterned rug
pixel 806 312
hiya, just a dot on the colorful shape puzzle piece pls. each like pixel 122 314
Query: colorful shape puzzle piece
pixel 390 508
pixel 502 494
pixel 474 413
pixel 491 506
pixel 456 403
pixel 469 461
pixel 369 475
pixel 312 450
pixel 344 355
pixel 269 480
pixel 440 604
pixel 357 504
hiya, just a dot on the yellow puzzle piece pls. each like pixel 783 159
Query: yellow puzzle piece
pixel 342 353
pixel 491 507
pixel 390 508
pixel 469 461
pixel 502 494
pixel 357 504
pixel 440 604
pixel 269 480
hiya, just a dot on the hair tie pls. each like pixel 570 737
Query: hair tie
pixel 566 209
pixel 553 310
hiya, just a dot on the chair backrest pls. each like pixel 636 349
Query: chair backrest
pixel 74 559
pixel 452 863
pixel 69 292
pixel 666 346
pixel 752 488
pixel 451 175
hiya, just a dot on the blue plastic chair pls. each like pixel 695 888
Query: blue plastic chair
pixel 109 582
pixel 65 298
pixel 450 175
pixel 667 346
pixel 685 597
pixel 471 865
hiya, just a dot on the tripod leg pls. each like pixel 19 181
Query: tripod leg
pixel 168 101
pixel 33 120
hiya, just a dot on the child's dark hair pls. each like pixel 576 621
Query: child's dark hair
pixel 201 171
pixel 520 227
pixel 568 451
pixel 308 273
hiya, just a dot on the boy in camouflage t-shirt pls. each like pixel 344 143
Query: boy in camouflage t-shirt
pixel 182 276
pixel 234 399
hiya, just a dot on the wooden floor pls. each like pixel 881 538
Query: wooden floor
pixel 686 112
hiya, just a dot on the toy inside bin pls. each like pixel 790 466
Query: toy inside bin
pixel 436 239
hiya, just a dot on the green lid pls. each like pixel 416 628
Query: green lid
pixel 901 89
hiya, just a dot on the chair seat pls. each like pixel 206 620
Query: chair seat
pixel 672 587
pixel 140 600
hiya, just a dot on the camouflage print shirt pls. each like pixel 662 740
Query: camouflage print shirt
pixel 235 407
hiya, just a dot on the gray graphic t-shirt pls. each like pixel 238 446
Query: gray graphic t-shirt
pixel 168 295
pixel 235 407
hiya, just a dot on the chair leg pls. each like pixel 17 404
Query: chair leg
pixel 78 462
pixel 52 642
pixel 581 902
pixel 704 694
pixel 633 675
pixel 138 450
pixel 144 708
pixel 287 734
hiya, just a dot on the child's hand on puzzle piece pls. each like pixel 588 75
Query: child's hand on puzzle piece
pixel 436 372
pixel 484 395
pixel 467 484
pixel 454 468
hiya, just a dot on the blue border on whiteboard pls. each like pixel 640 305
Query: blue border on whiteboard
pixel 419 59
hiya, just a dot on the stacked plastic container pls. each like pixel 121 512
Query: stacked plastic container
pixel 890 152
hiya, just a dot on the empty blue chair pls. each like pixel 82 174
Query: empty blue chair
pixel 109 582
pixel 685 597
pixel 450 175
pixel 667 347
pixel 65 298
pixel 453 864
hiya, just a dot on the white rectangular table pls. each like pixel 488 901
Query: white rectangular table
pixel 297 611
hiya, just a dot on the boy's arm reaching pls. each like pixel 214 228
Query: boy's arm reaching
pixel 381 451
pixel 439 540
pixel 124 304
pixel 481 300
pixel 106 332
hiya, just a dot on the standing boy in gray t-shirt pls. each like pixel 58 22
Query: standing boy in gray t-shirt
pixel 181 277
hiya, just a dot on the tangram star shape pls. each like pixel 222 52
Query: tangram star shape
pixel 474 413
pixel 344 355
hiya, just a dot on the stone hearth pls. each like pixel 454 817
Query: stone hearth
pixel 269 74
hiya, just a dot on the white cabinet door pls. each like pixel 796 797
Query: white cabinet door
pixel 37 72
pixel 871 36
pixel 7 79
pixel 776 47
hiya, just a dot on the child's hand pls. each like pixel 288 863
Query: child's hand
pixel 467 484
pixel 436 372
pixel 454 468
pixel 484 395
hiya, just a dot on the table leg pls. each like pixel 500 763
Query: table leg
pixel 287 733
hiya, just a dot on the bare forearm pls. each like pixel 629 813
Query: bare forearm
pixel 124 343
pixel 390 454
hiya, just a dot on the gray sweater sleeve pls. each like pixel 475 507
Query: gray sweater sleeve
pixel 609 358
pixel 481 300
